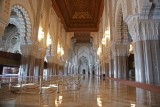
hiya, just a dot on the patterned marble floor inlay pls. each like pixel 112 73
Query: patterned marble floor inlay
pixel 94 92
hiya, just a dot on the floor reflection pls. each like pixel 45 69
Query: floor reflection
pixel 58 100
pixel 94 92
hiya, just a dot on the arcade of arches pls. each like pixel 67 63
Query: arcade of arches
pixel 113 39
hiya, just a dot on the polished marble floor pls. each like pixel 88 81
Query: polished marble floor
pixel 94 92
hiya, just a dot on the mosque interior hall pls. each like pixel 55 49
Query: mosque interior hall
pixel 79 53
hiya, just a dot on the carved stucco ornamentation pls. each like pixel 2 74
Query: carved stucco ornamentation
pixel 12 43
pixel 121 28
pixel 124 8
pixel 119 49
pixel 133 27
pixel 7 6
pixel 2 27
pixel 134 6
pixel 144 26
pixel 143 29
pixel 20 26
pixel 24 21
pixel 150 29
pixel 29 49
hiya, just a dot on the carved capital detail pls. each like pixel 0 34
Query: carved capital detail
pixel 143 29
pixel 119 49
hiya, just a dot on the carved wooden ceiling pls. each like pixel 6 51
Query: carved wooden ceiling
pixel 79 15
pixel 82 37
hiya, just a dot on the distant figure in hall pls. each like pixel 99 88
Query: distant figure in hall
pixel 83 71
pixel 93 72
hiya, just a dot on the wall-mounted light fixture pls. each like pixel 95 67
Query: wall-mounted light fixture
pixel 104 41
pixel 106 36
pixel 49 41
pixel 107 33
pixel 99 51
pixel 40 34
pixel 131 48
pixel 60 50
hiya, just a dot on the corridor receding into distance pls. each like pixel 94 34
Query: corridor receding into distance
pixel 79 53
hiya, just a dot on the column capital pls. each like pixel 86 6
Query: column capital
pixel 50 58
pixel 66 65
pixel 143 29
pixel 31 49
pixel 119 49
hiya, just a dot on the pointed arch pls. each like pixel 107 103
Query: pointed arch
pixel 23 22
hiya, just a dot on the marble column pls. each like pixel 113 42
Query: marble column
pixel 31 64
pixel 66 70
pixel 107 69
pixel 90 69
pixel 145 34
pixel 39 62
pixel 111 67
pixel 120 60
pixel 103 68
pixel 147 61
pixel 28 58
pixel 61 70
pixel 115 62
pixel 123 67
pixel 139 62
pixel 63 67
pixel 125 70
pixel 50 65
pixel 37 67
pixel 72 69
pixel 53 71
pixel 99 69
pixel 57 69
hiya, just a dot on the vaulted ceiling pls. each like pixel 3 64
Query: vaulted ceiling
pixel 79 15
